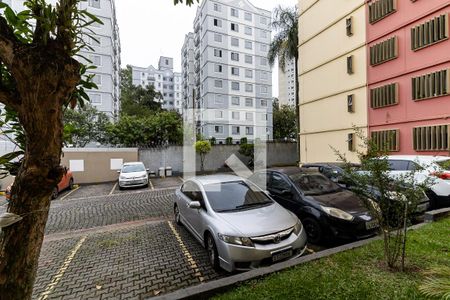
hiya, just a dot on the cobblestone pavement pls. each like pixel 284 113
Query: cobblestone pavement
pixel 85 190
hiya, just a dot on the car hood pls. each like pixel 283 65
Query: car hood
pixel 133 174
pixel 259 221
pixel 343 200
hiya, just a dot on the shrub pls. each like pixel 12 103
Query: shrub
pixel 243 140
pixel 229 141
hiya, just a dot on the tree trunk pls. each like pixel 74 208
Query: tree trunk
pixel 49 81
pixel 297 107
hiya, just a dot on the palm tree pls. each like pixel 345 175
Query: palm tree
pixel 285 47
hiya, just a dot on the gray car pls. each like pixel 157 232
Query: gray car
pixel 240 226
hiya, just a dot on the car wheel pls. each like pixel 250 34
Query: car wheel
pixel 313 230
pixel 176 213
pixel 71 183
pixel 212 252
pixel 54 193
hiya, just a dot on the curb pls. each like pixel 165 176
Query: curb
pixel 211 288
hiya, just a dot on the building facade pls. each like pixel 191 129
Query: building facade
pixel 232 78
pixel 409 75
pixel 286 84
pixel 104 55
pixel 164 80
pixel 187 77
pixel 332 78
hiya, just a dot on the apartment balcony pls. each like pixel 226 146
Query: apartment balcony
pixel 197 27
pixel 197 67
pixel 197 55
pixel 197 41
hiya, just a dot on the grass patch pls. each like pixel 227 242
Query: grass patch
pixel 358 273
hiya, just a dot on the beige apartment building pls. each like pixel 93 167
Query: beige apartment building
pixel 332 78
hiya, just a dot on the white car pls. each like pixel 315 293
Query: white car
pixel 436 168
pixel 133 174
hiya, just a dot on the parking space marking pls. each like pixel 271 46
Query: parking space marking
pixel 113 189
pixel 151 184
pixel 57 278
pixel 66 195
pixel 181 178
pixel 186 253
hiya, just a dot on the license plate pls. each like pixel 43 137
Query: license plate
pixel 371 224
pixel 281 255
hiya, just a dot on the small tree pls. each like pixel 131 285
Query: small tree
pixel 229 141
pixel 248 150
pixel 390 200
pixel 284 122
pixel 202 148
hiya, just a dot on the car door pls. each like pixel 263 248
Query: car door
pixel 281 190
pixel 194 216
pixel 184 199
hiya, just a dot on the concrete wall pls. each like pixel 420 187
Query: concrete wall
pixel 96 162
pixel 323 80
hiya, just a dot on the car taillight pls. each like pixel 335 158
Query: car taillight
pixel 442 175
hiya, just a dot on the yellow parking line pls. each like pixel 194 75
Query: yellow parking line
pixel 65 196
pixel 151 184
pixel 114 187
pixel 186 253
pixel 57 278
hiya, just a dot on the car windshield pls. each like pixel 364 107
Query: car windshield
pixel 133 168
pixel 314 184
pixel 234 196
pixel 444 164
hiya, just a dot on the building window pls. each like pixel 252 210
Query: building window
pixel 431 138
pixel 429 33
pixel 263 47
pixel 218 68
pixel 235 86
pixel 350 105
pixel 263 117
pixel 217 7
pixel 348 26
pixel 97 79
pixel 248 16
pixel 263 103
pixel 264 75
pixel 248 30
pixel 235 56
pixel 263 20
pixel 234 42
pixel 218 38
pixel 218 83
pixel 350 64
pixel 218 129
pixel 94 3
pixel 351 142
pixel 249 130
pixel 249 87
pixel 431 85
pixel 96 99
pixel 235 130
pixel 234 12
pixel 263 34
pixel 249 59
pixel 248 73
pixel 385 95
pixel 235 115
pixel 384 51
pixel 217 53
pixel 263 61
pixel 235 100
pixel 234 27
pixel 217 23
pixel 218 99
pixel 381 9
pixel 248 45
pixel 219 114
pixel 386 140
pixel 234 71
pixel 96 60
pixel 264 90
pixel 249 116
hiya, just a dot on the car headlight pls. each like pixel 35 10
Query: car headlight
pixel 337 213
pixel 235 240
pixel 122 177
pixel 143 176
pixel 297 227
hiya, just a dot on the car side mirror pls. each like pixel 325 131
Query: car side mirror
pixel 118 171
pixel 286 193
pixel 194 205
pixel 148 170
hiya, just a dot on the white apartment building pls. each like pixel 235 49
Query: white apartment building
pixel 105 55
pixel 188 74
pixel 286 84
pixel 232 77
pixel 164 80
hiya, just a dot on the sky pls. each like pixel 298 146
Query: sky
pixel 153 28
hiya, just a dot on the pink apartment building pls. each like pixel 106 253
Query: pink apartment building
pixel 408 72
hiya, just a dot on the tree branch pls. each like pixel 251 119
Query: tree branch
pixel 8 43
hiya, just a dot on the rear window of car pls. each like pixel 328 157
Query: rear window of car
pixel 133 168
pixel 444 164
pixel 314 184
pixel 233 196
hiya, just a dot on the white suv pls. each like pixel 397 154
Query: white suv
pixel 436 166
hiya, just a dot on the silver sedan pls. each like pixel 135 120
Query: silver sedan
pixel 238 224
